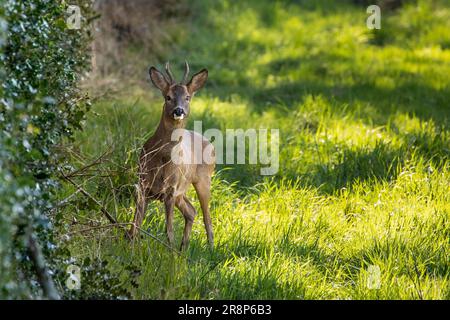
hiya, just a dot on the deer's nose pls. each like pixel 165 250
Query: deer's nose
pixel 178 112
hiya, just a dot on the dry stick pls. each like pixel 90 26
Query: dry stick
pixel 63 202
pixel 92 164
pixel 66 200
pixel 102 209
pixel 122 225
pixel 89 175
pixel 114 221
pixel 112 225
pixel 159 240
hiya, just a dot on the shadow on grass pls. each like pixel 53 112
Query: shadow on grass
pixel 355 165
pixel 409 98
pixel 383 162
pixel 229 55
pixel 255 280
pixel 414 259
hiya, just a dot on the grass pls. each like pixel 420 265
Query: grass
pixel 364 157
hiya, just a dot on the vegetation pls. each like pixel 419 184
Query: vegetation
pixel 364 175
pixel 364 167
pixel 41 105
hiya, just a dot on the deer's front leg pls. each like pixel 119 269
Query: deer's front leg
pixel 169 203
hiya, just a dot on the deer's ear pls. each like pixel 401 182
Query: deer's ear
pixel 158 79
pixel 198 81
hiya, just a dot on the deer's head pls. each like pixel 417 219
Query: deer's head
pixel 177 95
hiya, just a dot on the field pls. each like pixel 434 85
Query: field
pixel 364 179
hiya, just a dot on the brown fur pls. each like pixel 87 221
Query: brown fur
pixel 160 178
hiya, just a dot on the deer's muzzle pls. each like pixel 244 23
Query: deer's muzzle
pixel 178 114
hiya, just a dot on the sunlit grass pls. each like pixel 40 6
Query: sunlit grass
pixel 364 170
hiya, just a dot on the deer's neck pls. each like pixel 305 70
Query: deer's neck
pixel 167 126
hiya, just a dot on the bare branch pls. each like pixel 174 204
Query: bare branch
pixel 87 194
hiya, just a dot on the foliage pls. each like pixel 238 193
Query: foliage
pixel 364 166
pixel 41 62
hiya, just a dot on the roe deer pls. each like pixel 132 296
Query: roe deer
pixel 161 178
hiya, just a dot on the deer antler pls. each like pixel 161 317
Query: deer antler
pixel 186 72
pixel 169 73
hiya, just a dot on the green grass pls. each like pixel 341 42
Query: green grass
pixel 364 165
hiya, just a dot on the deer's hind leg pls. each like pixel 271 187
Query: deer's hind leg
pixel 203 189
pixel 189 213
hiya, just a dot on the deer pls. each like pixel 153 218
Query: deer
pixel 163 179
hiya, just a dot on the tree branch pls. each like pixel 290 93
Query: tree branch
pixel 87 194
pixel 44 278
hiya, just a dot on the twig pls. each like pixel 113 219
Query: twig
pixel 122 225
pixel 93 163
pixel 159 240
pixel 87 194
pixel 63 202
pixel 113 221
pixel 112 225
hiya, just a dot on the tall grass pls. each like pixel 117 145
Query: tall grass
pixel 364 174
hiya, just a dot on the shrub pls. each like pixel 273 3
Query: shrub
pixel 40 105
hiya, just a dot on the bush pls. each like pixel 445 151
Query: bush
pixel 40 106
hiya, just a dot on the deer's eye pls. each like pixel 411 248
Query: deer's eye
pixel 168 98
pixel 188 98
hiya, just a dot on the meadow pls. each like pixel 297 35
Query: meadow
pixel 364 175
